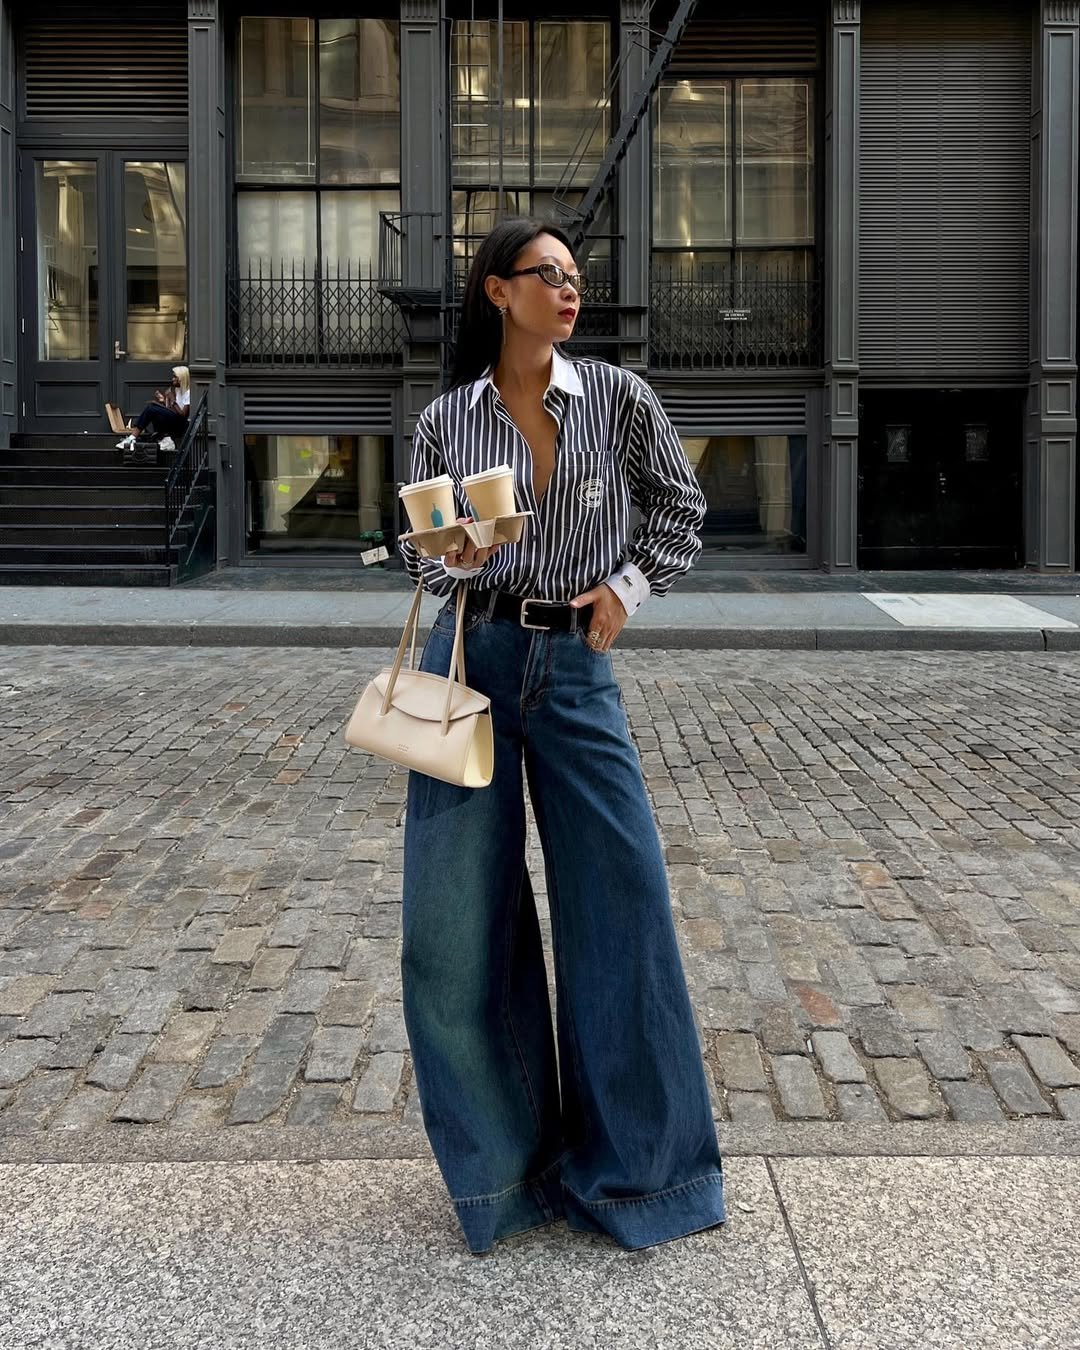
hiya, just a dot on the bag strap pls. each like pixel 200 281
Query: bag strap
pixel 457 659
pixel 410 627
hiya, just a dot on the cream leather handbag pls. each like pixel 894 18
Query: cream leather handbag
pixel 431 723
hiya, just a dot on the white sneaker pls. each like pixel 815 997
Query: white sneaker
pixel 166 443
pixel 126 443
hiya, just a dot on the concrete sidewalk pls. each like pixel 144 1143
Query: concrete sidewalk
pixel 823 620
pixel 960 1247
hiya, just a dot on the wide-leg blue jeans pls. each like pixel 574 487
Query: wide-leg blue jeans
pixel 616 1134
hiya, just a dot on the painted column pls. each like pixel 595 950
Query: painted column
pixel 424 168
pixel 634 192
pixel 207 227
pixel 1050 441
pixel 841 261
pixel 9 342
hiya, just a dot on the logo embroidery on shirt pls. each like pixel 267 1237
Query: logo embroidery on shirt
pixel 591 492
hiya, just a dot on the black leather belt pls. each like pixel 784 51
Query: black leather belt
pixel 531 613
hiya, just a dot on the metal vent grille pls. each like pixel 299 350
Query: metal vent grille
pixel 717 46
pixel 90 70
pixel 305 412
pixel 945 196
pixel 715 413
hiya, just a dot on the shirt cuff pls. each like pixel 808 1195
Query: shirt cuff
pixel 631 586
pixel 462 573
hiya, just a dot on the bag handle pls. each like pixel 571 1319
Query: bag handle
pixel 457 659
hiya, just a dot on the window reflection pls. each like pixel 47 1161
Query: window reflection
pixel 755 487
pixel 359 101
pixel 768 154
pixel 474 103
pixel 557 71
pixel 67 269
pixel 571 71
pixel 775 161
pixel 156 260
pixel 692 187
pixel 276 115
pixel 318 493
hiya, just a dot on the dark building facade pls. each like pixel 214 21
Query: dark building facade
pixel 838 238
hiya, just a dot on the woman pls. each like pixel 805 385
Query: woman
pixel 617 1137
pixel 167 414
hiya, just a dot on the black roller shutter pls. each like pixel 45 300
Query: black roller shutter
pixel 944 203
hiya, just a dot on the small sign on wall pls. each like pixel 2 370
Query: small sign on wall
pixel 898 444
pixel 976 443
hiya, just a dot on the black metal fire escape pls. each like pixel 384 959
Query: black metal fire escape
pixel 580 217
pixel 415 248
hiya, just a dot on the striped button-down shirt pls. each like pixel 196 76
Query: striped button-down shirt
pixel 615 446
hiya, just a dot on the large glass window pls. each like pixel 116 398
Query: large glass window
pixel 733 177
pixel 734 276
pixel 319 103
pixel 318 493
pixel 755 487
pixel 318 157
pixel 276 94
pixel 552 112
pixel 359 101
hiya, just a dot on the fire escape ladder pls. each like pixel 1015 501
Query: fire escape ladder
pixel 578 218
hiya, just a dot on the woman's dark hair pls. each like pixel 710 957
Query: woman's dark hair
pixel 479 335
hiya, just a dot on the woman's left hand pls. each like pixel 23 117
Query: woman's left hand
pixel 608 616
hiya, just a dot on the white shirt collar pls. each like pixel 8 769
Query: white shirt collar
pixel 564 376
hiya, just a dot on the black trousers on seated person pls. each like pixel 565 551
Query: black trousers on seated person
pixel 165 421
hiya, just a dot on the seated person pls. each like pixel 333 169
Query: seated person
pixel 167 414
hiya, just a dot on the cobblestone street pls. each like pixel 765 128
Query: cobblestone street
pixel 873 860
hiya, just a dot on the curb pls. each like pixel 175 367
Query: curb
pixel 853 639
pixel 262 1143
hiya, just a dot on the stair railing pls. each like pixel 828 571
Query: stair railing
pixel 188 476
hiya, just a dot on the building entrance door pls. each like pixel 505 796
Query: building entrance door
pixel 939 478
pixel 103 285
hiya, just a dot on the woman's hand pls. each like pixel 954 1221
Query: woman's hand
pixel 608 616
pixel 469 555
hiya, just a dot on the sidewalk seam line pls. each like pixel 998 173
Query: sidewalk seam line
pixel 793 1240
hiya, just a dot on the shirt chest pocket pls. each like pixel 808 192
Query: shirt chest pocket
pixel 586 482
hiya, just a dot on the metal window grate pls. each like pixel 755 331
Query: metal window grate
pixel 715 413
pixel 759 323
pixel 296 410
pixel 296 314
pixel 719 46
pixel 89 70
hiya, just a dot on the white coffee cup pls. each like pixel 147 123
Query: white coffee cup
pixel 491 492
pixel 430 503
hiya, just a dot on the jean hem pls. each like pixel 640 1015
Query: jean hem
pixel 532 1203
pixel 645 1221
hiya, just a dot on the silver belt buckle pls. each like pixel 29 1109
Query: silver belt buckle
pixel 524 606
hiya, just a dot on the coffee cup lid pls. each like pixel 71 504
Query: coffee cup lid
pixel 441 480
pixel 496 471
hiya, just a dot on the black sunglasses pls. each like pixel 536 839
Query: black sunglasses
pixel 554 275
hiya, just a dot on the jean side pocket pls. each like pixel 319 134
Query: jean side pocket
pixel 446 619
